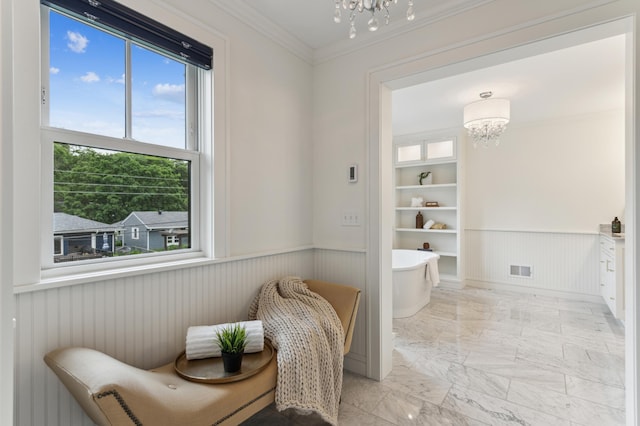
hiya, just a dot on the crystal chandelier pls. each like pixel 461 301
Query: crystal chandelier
pixel 487 119
pixel 372 6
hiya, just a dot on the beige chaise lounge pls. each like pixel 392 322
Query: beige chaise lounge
pixel 114 393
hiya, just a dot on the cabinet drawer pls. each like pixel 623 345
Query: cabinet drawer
pixel 608 263
pixel 607 245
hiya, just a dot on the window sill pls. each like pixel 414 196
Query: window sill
pixel 198 259
pixel 95 276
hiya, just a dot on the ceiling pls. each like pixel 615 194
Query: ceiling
pixel 574 74
pixel 571 81
pixel 311 21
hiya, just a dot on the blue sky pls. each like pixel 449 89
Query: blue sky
pixel 87 90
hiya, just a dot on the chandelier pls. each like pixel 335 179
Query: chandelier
pixel 372 6
pixel 486 119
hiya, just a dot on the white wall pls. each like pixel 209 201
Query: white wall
pixel 537 200
pixel 565 175
pixel 269 119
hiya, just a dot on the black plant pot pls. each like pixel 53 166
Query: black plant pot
pixel 232 362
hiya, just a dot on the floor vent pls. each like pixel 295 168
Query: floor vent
pixel 520 271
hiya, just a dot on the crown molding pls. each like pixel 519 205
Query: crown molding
pixel 266 27
pixel 248 15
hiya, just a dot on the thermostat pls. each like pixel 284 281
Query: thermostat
pixel 353 173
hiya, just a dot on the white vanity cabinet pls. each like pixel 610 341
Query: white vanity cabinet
pixel 612 274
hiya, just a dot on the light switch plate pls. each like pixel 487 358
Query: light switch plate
pixel 350 218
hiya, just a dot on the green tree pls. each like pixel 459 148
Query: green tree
pixel 106 186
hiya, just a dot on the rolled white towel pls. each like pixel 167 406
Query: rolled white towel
pixel 429 224
pixel 202 341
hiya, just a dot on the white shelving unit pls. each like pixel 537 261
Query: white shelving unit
pixel 421 153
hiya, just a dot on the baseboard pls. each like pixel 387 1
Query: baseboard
pixel 534 290
pixel 355 364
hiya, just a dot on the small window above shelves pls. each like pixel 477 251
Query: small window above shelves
pixel 425 152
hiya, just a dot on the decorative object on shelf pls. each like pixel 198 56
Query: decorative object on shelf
pixel 372 6
pixel 426 175
pixel 616 226
pixel 232 341
pixel 425 245
pixel 431 204
pixel 428 225
pixel 419 221
pixel 439 226
pixel 487 119
pixel 417 201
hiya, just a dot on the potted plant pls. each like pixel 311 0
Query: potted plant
pixel 232 340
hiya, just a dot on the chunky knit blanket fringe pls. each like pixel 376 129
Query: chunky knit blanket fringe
pixel 308 336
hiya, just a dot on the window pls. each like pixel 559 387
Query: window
pixel 425 151
pixel 121 113
pixel 173 240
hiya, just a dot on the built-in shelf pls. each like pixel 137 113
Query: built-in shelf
pixel 425 208
pixel 435 231
pixel 433 186
pixel 436 153
pixel 425 163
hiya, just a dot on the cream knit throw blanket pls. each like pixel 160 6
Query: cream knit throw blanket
pixel 308 336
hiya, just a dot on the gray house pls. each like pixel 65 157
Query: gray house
pixel 75 237
pixel 155 230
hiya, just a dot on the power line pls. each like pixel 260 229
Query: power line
pixel 118 175
pixel 120 193
pixel 113 184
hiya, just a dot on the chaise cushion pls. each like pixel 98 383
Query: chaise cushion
pixel 114 393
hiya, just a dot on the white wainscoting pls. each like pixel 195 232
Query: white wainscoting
pixel 564 264
pixel 139 320
pixel 348 267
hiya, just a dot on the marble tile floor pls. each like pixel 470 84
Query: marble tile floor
pixel 487 357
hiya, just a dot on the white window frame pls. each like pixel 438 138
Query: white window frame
pixel 135 233
pixel 199 108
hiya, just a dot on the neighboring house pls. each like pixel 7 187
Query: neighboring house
pixel 75 235
pixel 155 230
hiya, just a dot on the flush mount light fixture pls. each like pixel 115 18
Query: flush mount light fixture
pixel 371 6
pixel 487 119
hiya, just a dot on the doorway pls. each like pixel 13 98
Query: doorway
pixel 381 85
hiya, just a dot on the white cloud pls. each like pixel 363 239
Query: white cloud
pixel 90 77
pixel 54 70
pixel 173 92
pixel 77 42
pixel 116 80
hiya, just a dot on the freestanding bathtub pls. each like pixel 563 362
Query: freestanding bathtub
pixel 414 273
